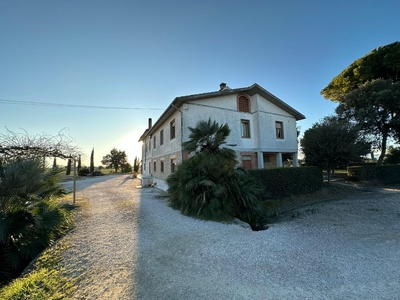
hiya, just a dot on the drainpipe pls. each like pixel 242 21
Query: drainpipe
pixel 181 129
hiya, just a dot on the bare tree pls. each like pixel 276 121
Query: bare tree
pixel 22 144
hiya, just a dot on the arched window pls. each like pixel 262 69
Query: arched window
pixel 243 103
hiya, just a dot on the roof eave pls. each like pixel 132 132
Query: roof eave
pixel 251 90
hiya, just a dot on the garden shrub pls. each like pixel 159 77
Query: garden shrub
pixel 283 182
pixel 97 173
pixel 83 171
pixel 388 174
pixel 210 186
pixel 31 218
pixel 126 168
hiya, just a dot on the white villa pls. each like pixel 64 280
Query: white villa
pixel 263 128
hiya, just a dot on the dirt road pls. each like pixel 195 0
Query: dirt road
pixel 130 245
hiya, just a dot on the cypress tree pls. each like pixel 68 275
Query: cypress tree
pixel 91 169
pixel 69 167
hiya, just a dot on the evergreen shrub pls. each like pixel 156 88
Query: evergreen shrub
pixel 97 173
pixel 388 174
pixel 283 182
pixel 126 168
pixel 83 171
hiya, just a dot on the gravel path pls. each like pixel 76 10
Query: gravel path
pixel 130 245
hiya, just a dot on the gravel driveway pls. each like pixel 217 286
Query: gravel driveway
pixel 130 245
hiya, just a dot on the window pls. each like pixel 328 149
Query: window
pixel 149 167
pixel 145 147
pixel 245 124
pixel 173 164
pixel 154 166
pixel 154 142
pixel 162 166
pixel 149 145
pixel 162 137
pixel 172 129
pixel 279 130
pixel 243 104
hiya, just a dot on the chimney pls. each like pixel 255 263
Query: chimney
pixel 222 86
pixel 150 121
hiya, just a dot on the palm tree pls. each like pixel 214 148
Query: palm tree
pixel 210 185
pixel 30 218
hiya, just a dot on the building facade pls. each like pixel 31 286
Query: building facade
pixel 263 129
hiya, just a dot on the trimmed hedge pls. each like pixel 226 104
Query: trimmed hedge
pixel 283 182
pixel 388 174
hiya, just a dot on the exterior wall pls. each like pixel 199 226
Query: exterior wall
pixel 262 123
pixel 170 149
pixel 261 143
pixel 245 156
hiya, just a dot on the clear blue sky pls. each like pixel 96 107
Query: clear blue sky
pixel 143 54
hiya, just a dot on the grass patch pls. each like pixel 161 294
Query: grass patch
pixel 43 279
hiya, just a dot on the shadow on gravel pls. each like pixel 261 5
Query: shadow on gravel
pixel 137 247
pixel 125 180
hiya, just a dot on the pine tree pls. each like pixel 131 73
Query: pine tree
pixel 79 162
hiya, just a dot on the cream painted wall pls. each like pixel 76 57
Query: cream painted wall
pixel 224 110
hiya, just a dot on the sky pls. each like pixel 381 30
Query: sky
pixel 140 55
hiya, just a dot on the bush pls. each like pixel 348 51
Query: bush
pixel 388 174
pixel 97 173
pixel 44 279
pixel 83 171
pixel 126 168
pixel 283 182
pixel 209 185
pixel 216 193
pixel 31 218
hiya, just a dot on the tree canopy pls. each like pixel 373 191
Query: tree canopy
pixel 383 63
pixel 207 136
pixel 115 159
pixel 333 141
pixel 375 106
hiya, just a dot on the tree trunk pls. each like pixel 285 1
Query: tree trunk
pixel 383 148
pixel 328 170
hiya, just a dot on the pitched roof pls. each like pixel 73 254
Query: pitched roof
pixel 251 90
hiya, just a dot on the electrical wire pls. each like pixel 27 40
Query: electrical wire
pixel 73 105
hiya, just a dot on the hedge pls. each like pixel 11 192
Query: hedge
pixel 283 182
pixel 388 174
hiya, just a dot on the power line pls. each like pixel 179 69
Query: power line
pixel 15 102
